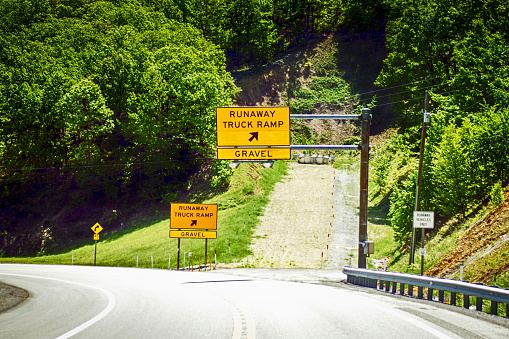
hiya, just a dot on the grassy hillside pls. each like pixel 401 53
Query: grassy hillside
pixel 239 208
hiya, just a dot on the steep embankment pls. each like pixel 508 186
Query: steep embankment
pixel 483 249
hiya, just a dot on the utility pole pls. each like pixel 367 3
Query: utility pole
pixel 419 176
pixel 363 203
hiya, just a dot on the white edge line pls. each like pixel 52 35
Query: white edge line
pixel 76 330
pixel 418 323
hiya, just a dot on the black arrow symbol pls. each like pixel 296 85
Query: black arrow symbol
pixel 194 222
pixel 254 136
pixel 95 228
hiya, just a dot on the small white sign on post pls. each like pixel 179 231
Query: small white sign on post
pixel 424 219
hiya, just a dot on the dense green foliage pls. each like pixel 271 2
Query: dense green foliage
pixel 458 51
pixel 114 100
pixel 104 99
pixel 253 31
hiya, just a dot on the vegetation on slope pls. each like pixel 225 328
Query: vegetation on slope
pixel 239 207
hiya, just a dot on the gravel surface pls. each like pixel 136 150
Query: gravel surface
pixel 344 249
pixel 310 221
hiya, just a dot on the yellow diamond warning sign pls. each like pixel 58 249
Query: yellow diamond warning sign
pixel 253 126
pixel 97 228
pixel 193 216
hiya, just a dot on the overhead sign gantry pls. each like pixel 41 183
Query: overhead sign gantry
pixel 263 133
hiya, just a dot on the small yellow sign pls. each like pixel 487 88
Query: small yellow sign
pixel 253 153
pixel 253 126
pixel 194 216
pixel 96 236
pixel 193 234
pixel 97 228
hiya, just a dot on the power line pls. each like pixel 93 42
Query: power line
pixel 102 165
pixel 397 93
pixel 397 86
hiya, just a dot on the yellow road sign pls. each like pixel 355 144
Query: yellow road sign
pixel 253 126
pixel 97 228
pixel 193 234
pixel 253 153
pixel 193 216
pixel 96 236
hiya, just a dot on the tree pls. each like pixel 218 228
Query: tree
pixel 452 180
pixel 402 202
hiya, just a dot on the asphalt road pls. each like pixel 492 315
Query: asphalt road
pixel 108 302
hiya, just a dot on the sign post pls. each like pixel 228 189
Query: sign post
pixel 423 220
pixel 96 229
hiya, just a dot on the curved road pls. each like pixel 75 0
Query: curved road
pixel 108 302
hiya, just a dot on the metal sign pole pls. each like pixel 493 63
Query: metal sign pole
pixel 178 254
pixel 419 175
pixel 95 253
pixel 363 203
pixel 206 253
pixel 422 254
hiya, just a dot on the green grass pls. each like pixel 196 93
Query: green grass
pixel 239 208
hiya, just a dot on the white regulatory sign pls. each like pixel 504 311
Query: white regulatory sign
pixel 424 219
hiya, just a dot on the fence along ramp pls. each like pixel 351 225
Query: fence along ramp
pixel 457 293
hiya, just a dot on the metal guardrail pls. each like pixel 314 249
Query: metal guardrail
pixel 388 281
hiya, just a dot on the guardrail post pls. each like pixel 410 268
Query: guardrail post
pixel 441 296
pixel 494 307
pixel 466 301
pixel 430 294
pixel 394 287
pixel 420 292
pixel 478 303
pixel 402 288
pixel 453 298
pixel 410 290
